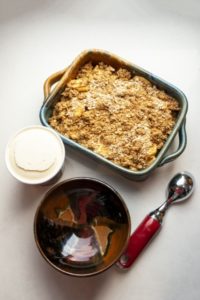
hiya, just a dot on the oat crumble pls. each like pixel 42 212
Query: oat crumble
pixel 122 117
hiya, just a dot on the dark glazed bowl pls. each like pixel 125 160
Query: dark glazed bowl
pixel 82 227
pixel 61 78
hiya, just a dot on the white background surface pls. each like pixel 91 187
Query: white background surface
pixel 38 38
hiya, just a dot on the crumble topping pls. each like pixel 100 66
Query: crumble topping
pixel 124 118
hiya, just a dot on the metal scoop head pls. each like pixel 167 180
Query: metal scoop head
pixel 180 187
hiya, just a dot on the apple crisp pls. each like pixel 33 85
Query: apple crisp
pixel 123 117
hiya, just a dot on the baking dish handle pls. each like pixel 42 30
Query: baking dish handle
pixel 50 81
pixel 182 144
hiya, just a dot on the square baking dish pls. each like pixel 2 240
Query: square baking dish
pixel 55 84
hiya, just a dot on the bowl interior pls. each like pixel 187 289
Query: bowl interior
pixel 82 227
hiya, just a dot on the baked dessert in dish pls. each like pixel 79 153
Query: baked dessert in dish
pixel 120 116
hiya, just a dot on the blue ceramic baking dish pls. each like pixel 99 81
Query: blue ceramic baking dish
pixel 56 83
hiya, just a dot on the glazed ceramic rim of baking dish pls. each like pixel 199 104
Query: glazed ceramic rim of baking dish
pixel 160 158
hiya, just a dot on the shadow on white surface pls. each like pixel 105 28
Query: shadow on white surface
pixel 27 196
pixel 104 9
pixel 189 8
pixel 71 288
pixel 12 9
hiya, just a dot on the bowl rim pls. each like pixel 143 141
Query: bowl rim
pixel 119 197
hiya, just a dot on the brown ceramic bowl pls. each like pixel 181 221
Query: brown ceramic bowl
pixel 82 227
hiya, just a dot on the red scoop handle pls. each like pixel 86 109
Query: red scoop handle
pixel 138 240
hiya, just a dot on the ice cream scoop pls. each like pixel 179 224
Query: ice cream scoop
pixel 179 189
